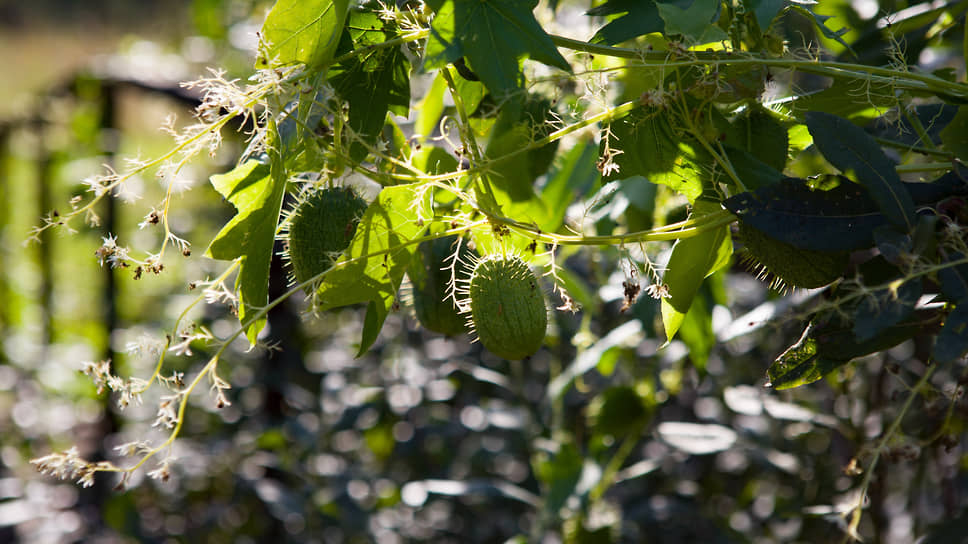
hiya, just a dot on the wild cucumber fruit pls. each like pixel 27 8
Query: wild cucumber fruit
pixel 430 273
pixel 507 306
pixel 789 264
pixel 320 227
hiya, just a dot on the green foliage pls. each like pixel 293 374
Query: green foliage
pixel 615 171
pixel 302 31
pixel 493 35
pixel 257 192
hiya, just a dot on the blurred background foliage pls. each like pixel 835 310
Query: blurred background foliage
pixel 425 437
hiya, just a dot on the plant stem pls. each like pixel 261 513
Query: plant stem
pixel 842 70
pixel 881 446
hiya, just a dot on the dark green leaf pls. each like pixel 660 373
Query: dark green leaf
pixel 952 342
pixel 954 278
pixel 765 11
pixel 841 218
pixel 955 134
pixel 849 148
pixel 885 308
pixel 372 85
pixel 373 265
pixel 640 17
pixel 753 172
pixel 840 99
pixel 493 35
pixel 303 31
pixel 692 260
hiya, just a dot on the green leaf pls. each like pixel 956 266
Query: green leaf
pixel 693 259
pixel 952 342
pixel 651 149
pixel 640 17
pixel 955 135
pixel 493 35
pixel 696 331
pixel 828 343
pixel 521 120
pixel 573 174
pixel 761 134
pixel 302 31
pixel 954 278
pixel 256 191
pixel 841 216
pixel 372 85
pixel 765 11
pixel 841 99
pixel 849 148
pixel 800 365
pixel 430 108
pixel 820 21
pixel 694 23
pixel 372 267
pixel 885 308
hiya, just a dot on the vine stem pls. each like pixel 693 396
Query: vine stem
pixel 898 78
pixel 857 510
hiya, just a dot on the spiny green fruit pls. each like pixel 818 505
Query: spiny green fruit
pixel 430 274
pixel 792 265
pixel 320 228
pixel 507 306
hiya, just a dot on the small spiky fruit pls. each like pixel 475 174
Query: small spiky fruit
pixel 791 265
pixel 430 273
pixel 320 228
pixel 507 306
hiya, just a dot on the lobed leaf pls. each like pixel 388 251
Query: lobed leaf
pixel 493 35
pixel 302 31
pixel 640 17
pixel 256 190
pixel 849 148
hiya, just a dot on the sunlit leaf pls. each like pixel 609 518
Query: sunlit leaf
pixel 303 31
pixel 257 195
pixel 693 259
